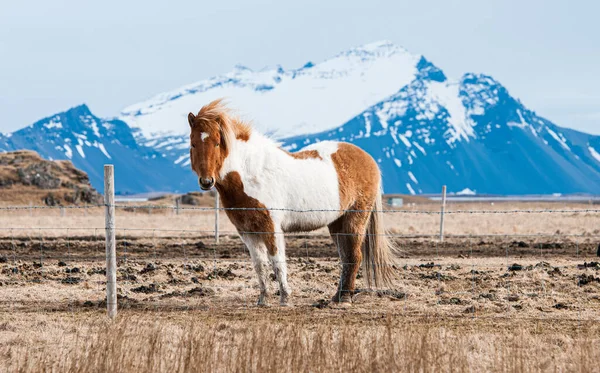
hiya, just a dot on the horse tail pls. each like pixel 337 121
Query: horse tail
pixel 379 252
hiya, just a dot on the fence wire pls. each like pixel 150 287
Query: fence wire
pixel 225 209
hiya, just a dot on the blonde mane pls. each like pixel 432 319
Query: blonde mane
pixel 230 126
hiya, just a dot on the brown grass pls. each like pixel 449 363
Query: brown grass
pixel 141 220
pixel 288 341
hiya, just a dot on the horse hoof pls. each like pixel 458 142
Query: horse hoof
pixel 262 302
pixel 342 299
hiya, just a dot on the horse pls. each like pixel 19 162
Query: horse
pixel 267 191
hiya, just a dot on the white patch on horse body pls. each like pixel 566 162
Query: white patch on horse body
pixel 296 192
pixel 325 148
pixel 287 184
pixel 203 136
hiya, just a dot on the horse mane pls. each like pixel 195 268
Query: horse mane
pixel 230 126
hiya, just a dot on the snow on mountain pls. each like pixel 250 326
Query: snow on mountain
pixel 284 103
pixel 468 134
pixel 280 103
pixel 90 142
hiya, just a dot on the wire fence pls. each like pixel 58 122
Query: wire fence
pixel 176 208
pixel 535 275
pixel 157 267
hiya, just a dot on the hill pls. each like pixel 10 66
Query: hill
pixel 25 177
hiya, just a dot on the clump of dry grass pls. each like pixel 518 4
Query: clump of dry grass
pixel 153 343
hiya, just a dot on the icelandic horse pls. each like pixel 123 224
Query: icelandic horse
pixel 267 191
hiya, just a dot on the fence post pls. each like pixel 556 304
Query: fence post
pixel 442 214
pixel 177 205
pixel 62 211
pixel 217 203
pixel 111 243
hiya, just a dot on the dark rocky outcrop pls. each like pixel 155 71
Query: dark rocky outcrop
pixel 26 177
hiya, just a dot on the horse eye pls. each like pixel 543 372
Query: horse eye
pixel 217 145
pixel 193 146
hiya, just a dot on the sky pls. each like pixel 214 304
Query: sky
pixel 109 54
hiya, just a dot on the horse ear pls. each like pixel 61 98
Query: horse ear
pixel 191 118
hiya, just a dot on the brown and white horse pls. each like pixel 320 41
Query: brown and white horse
pixel 267 192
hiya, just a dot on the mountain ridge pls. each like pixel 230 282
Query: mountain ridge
pixel 495 125
pixel 423 128
pixel 89 142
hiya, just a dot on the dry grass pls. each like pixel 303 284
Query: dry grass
pixel 289 341
pixel 140 221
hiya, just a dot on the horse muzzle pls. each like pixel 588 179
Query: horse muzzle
pixel 206 183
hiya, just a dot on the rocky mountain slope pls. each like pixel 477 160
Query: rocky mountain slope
pixel 26 177
pixel 90 142
pixel 471 135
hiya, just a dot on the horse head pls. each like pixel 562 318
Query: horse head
pixel 210 140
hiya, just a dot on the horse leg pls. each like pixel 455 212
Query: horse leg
pixel 280 269
pixel 348 234
pixel 260 261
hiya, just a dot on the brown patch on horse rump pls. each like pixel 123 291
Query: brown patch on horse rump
pixel 358 177
pixel 358 180
pixel 231 191
pixel 305 154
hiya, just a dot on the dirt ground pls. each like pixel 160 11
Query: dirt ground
pixel 543 280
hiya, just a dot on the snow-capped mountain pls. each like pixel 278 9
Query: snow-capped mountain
pixel 281 103
pixel 424 129
pixel 470 135
pixel 284 103
pixel 90 142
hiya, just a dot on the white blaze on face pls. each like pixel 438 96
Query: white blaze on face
pixel 203 136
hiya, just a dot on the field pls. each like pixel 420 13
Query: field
pixel 503 292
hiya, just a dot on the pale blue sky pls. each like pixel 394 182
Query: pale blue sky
pixel 109 54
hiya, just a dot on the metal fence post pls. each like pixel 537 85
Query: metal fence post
pixel 111 243
pixel 217 203
pixel 442 213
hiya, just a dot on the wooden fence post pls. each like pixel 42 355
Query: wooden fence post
pixel 111 243
pixel 177 205
pixel 217 203
pixel 442 213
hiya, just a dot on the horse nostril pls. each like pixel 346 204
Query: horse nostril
pixel 206 182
